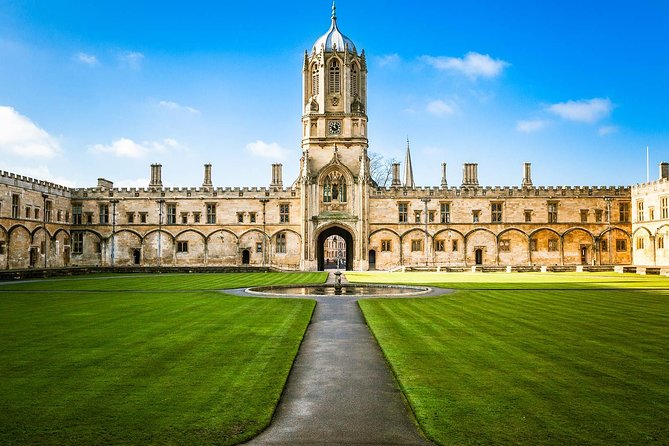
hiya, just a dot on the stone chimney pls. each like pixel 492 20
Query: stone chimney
pixel 444 183
pixel 396 175
pixel 664 170
pixel 207 176
pixel 527 175
pixel 470 174
pixel 105 183
pixel 277 175
pixel 156 176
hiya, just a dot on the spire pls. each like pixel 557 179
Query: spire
pixel 408 169
pixel 334 11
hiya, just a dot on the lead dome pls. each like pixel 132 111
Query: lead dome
pixel 333 39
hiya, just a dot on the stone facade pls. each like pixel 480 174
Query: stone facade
pixel 286 227
pixel 650 221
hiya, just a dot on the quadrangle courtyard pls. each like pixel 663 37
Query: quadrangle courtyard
pixel 506 358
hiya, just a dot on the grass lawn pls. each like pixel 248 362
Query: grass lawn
pixel 524 365
pixel 136 364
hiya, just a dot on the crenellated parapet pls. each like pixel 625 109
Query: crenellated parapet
pixel 500 192
pixel 28 183
pixel 185 192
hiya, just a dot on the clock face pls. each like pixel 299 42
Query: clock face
pixel 334 127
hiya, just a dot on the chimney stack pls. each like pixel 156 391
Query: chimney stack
pixel 527 175
pixel 444 183
pixel 156 180
pixel 470 174
pixel 396 175
pixel 664 170
pixel 277 175
pixel 207 176
pixel 102 182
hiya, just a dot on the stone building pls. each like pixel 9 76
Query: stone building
pixel 650 221
pixel 286 226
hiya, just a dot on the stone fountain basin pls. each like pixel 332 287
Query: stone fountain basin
pixel 349 289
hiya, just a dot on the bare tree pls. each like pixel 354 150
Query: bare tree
pixel 380 169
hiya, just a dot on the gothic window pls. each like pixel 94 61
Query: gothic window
pixel 416 245
pixel 505 245
pixel 639 243
pixel 584 215
pixel 130 216
pixel 660 242
pixel 104 214
pixel 621 245
pixel 171 214
pixel 77 242
pixel 445 212
pixel 77 214
pixel 47 211
pixel 402 209
pixel 552 213
pixel 15 206
pixel 624 209
pixel 605 246
pixel 334 188
pixel 281 243
pixel 496 212
pixel 354 80
pixel 598 215
pixel 385 245
pixel 664 208
pixel 334 81
pixel 553 244
pixel 182 246
pixel 439 245
pixel 211 213
pixel 314 80
pixel 639 211
pixel 284 214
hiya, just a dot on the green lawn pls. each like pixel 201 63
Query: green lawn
pixel 141 365
pixel 554 367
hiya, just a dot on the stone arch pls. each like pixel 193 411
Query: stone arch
pixel 614 254
pixel 293 243
pixel 334 229
pixel 455 248
pixel 545 246
pixel 190 247
pixel 126 243
pixel 19 240
pixel 484 241
pixel 640 228
pixel 222 247
pixel 250 240
pixel 38 229
pixel 158 250
pixel 389 257
pixel 415 237
pixel 513 247
pixel 578 247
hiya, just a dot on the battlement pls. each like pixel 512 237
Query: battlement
pixel 22 181
pixel 651 185
pixel 501 191
pixel 184 192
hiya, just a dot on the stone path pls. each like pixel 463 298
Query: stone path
pixel 340 390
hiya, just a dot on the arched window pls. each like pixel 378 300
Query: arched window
pixel 354 79
pixel 334 188
pixel 314 80
pixel 334 81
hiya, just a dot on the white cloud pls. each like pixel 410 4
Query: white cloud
pixel 472 65
pixel 86 59
pixel 531 125
pixel 21 137
pixel 170 105
pixel 607 130
pixel 583 110
pixel 127 148
pixel 266 150
pixel 389 60
pixel 438 107
pixel 132 59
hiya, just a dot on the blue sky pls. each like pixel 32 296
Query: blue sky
pixel 92 90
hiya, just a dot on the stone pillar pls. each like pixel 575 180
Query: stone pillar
pixel 207 176
pixel 444 183
pixel 527 175
pixel 396 175
pixel 277 175
pixel 664 170
pixel 470 174
pixel 156 176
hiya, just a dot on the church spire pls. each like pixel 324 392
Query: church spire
pixel 408 169
pixel 334 10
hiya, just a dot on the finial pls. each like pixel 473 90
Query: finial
pixel 334 10
pixel 407 141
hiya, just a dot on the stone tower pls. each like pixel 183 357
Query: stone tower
pixel 334 168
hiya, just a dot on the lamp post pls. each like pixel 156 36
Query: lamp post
pixel 426 201
pixel 160 230
pixel 608 222
pixel 264 202
pixel 44 197
pixel 113 234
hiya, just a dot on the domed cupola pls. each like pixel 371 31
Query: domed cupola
pixel 334 40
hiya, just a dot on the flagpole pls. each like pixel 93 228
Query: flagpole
pixel 647 165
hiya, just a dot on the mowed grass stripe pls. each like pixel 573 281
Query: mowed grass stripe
pixel 531 367
pixel 168 282
pixel 141 368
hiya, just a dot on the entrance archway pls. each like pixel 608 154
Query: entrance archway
pixel 246 257
pixel 320 245
pixel 372 259
pixel 478 256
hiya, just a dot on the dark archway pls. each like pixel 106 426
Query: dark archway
pixel 246 257
pixel 320 246
pixel 372 259
pixel 478 256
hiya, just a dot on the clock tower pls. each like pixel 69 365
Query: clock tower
pixel 334 168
